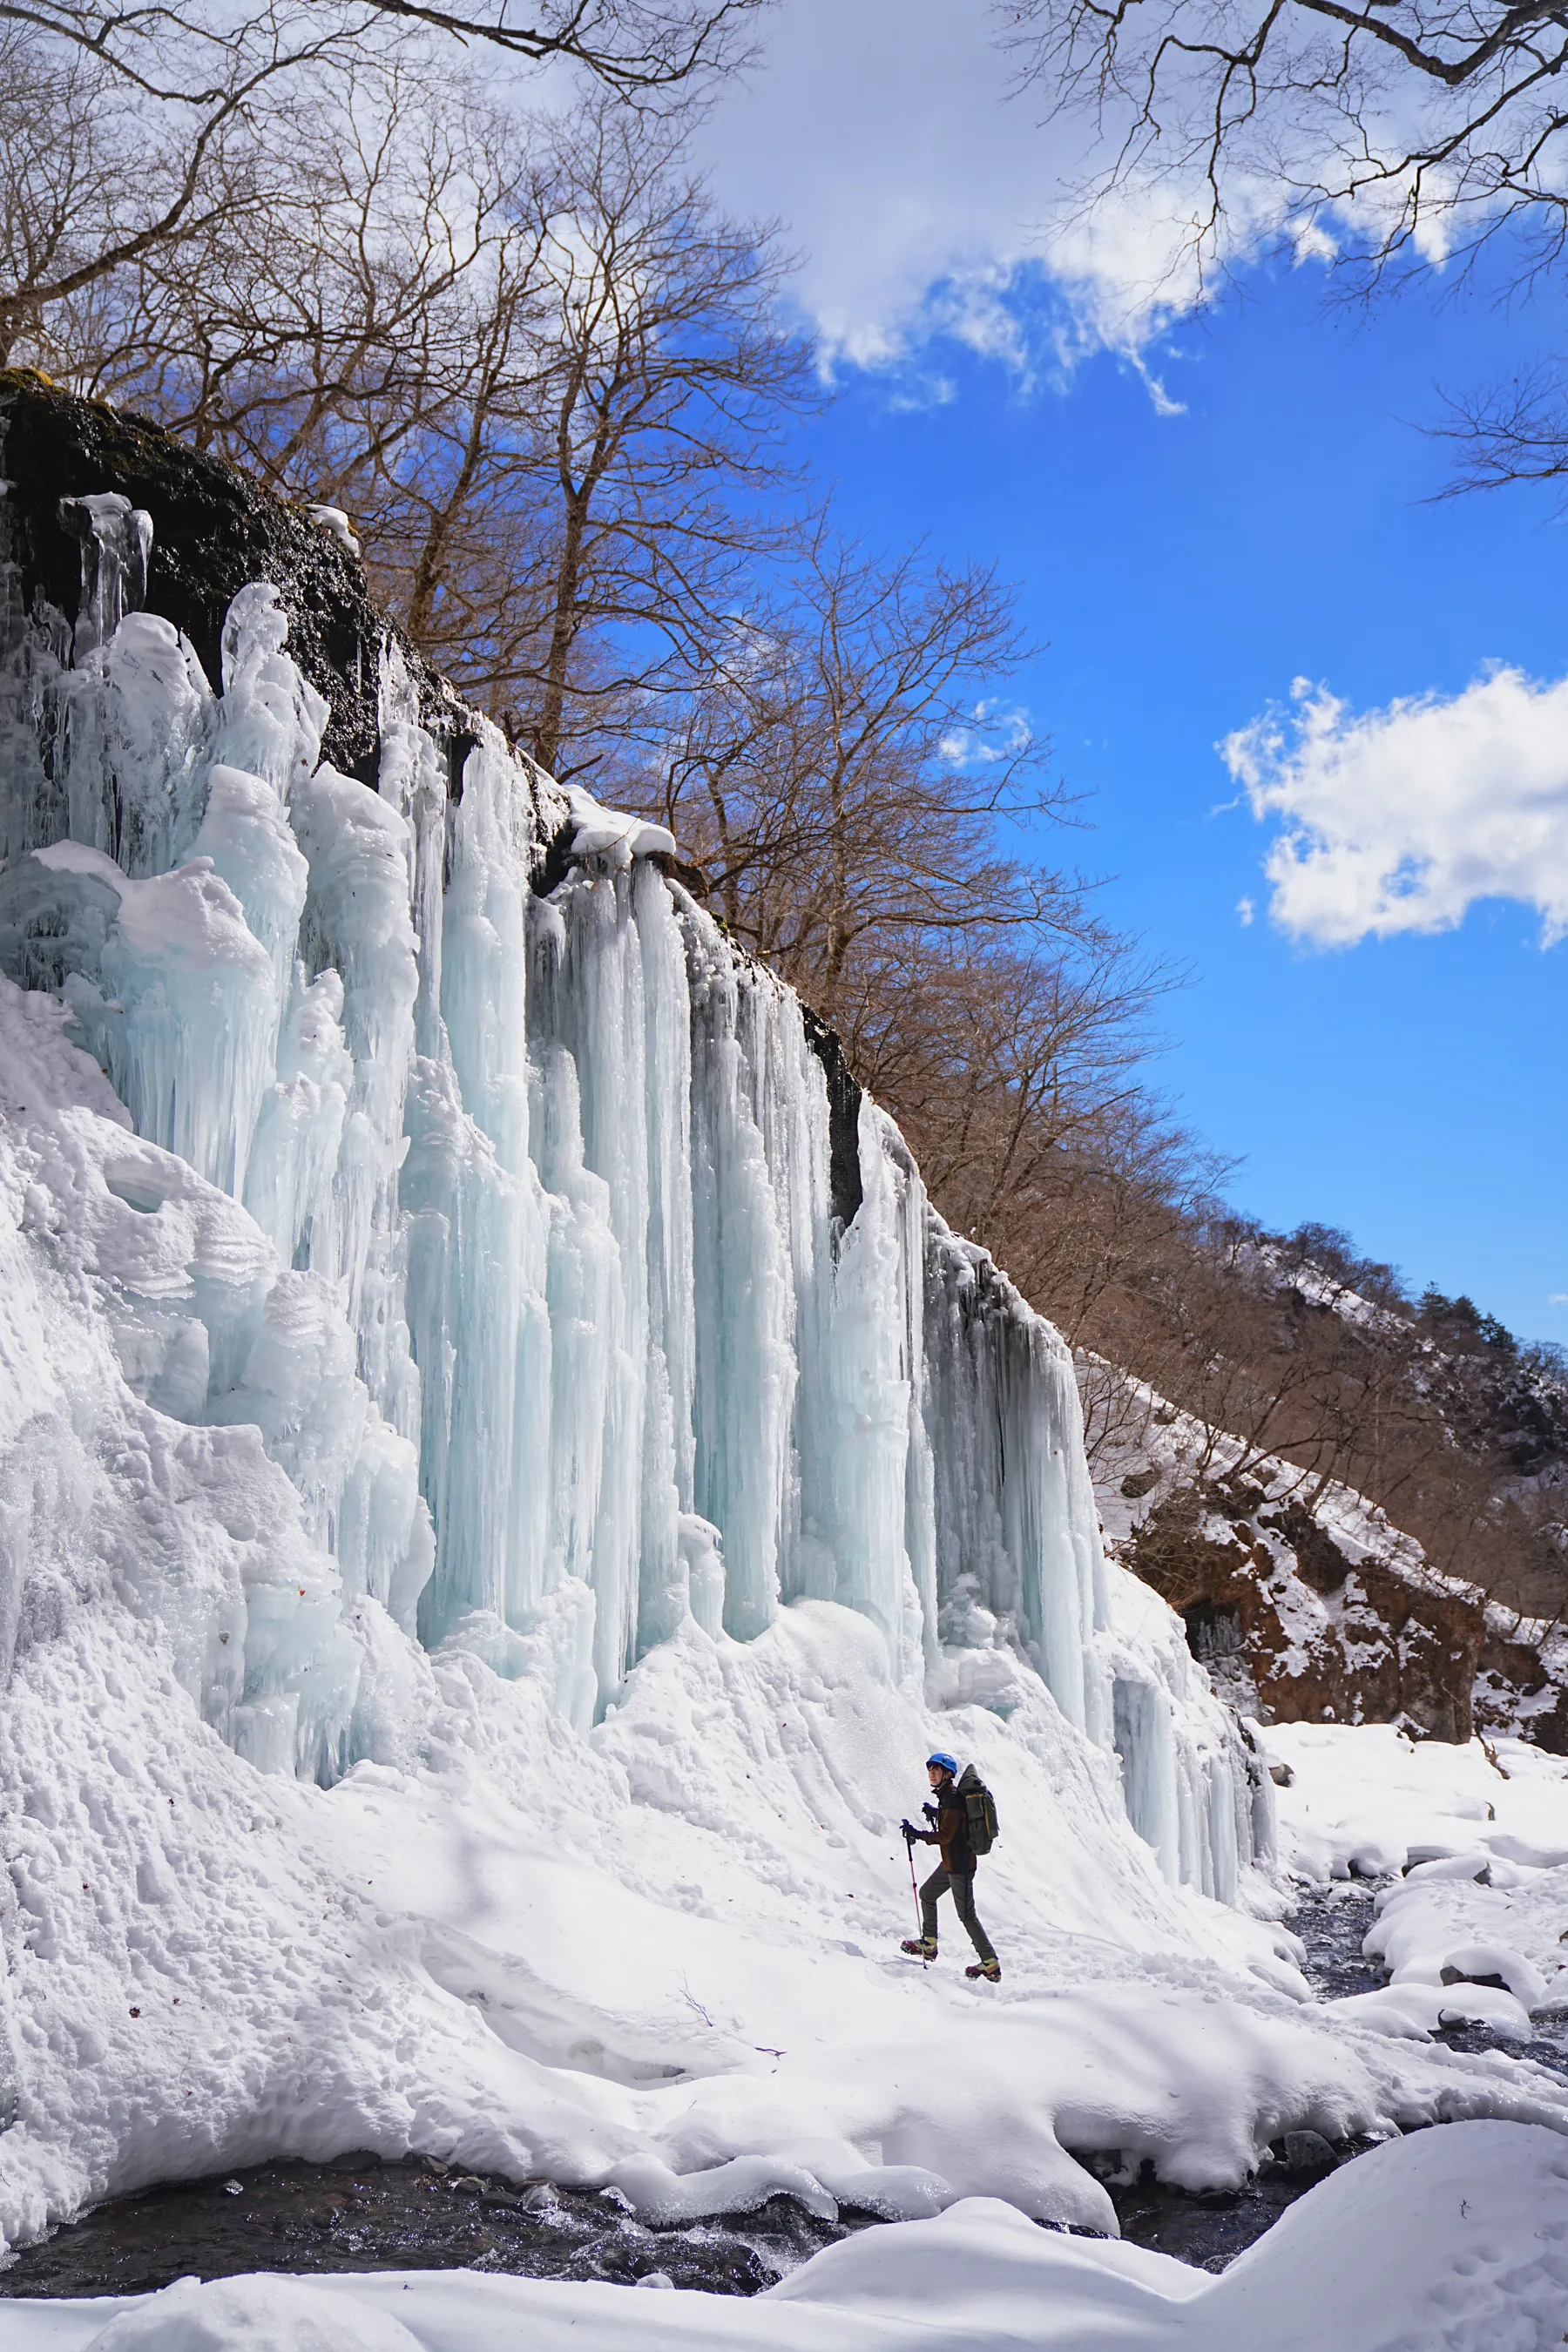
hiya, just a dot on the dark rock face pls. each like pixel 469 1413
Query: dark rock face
pixel 1385 1649
pixel 1213 1629
pixel 843 1113
pixel 213 530
pixel 1512 1681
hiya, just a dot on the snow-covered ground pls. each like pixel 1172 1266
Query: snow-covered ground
pixel 1368 1798
pixel 1475 1839
pixel 663 1958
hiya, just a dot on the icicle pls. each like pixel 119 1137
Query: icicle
pixel 270 721
pixel 116 540
pixel 665 1587
pixel 743 1391
pixel 412 776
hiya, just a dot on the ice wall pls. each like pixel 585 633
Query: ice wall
pixel 535 1264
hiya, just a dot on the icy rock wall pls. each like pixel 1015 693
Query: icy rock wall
pixel 506 1218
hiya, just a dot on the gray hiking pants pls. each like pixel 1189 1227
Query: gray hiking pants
pixel 962 1884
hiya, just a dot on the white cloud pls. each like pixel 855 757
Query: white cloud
pixel 1245 909
pixel 929 201
pixel 995 731
pixel 926 203
pixel 1557 1298
pixel 1400 820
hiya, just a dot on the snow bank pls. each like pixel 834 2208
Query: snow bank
pixel 1453 2242
pixel 1476 1839
pixel 662 1958
pixel 1366 1798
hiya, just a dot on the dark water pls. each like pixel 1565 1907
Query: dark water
pixel 1207 2231
pixel 1553 2055
pixel 1332 1922
pixel 1210 2230
pixel 361 2215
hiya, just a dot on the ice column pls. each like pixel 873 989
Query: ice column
pixel 743 1389
pixel 475 1223
pixel 1014 1508
pixel 868 1381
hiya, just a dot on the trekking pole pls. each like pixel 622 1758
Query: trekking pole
pixel 914 1890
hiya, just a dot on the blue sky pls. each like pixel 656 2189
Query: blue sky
pixel 1186 569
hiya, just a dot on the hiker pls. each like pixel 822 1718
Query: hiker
pixel 949 1817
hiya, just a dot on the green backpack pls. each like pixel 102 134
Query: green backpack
pixel 981 1808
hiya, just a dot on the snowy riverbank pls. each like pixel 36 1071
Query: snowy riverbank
pixel 664 1958
pixel 601 1932
pixel 1451 2241
pixel 1475 1841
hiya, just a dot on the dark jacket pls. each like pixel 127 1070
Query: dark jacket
pixel 949 1830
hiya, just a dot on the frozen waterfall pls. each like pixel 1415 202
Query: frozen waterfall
pixel 561 1268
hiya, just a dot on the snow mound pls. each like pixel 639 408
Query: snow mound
pixel 1450 2240
pixel 253 2315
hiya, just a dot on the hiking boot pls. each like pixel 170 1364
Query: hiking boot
pixel 920 1947
pixel 990 1969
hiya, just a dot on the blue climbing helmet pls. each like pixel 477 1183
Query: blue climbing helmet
pixel 948 1763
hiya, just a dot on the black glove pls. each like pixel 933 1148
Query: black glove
pixel 910 1830
pixel 930 1812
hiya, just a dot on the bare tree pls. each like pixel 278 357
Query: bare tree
pixel 530 356
pixel 1515 431
pixel 122 131
pixel 321 321
pixel 867 807
pixel 665 377
pixel 1435 124
pixel 842 773
pixel 172 84
pixel 88 189
pixel 176 50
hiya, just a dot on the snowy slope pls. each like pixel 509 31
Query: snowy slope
pixel 487 1542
